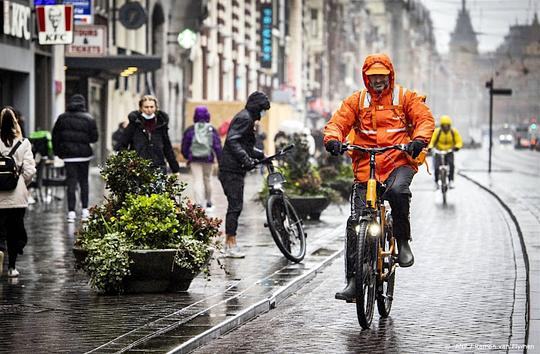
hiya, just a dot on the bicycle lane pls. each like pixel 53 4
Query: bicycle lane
pixel 464 293
pixel 516 187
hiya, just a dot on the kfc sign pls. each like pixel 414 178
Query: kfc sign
pixel 55 24
pixel 16 20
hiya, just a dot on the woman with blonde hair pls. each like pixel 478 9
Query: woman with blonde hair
pixel 13 203
pixel 148 134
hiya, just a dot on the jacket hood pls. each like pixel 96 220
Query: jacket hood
pixel 201 115
pixel 77 103
pixel 257 102
pixel 384 60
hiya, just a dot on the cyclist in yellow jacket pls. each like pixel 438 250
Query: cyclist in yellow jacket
pixel 445 138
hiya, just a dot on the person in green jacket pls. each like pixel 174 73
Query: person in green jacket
pixel 445 138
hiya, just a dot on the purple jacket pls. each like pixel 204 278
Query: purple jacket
pixel 201 115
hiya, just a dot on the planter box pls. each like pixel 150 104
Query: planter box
pixel 309 206
pixel 152 271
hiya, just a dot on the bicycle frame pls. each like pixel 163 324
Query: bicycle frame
pixel 376 209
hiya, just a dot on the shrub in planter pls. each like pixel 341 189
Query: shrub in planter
pixel 145 210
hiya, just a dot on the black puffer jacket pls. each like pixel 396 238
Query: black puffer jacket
pixel 156 146
pixel 240 141
pixel 74 131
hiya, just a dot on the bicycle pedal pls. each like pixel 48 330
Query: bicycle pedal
pixel 265 224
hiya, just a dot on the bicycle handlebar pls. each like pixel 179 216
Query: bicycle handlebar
pixel 376 150
pixel 441 152
pixel 276 155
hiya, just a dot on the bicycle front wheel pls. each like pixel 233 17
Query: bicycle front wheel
pixel 366 268
pixel 286 227
pixel 385 287
pixel 444 183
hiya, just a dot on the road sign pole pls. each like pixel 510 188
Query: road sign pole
pixel 493 91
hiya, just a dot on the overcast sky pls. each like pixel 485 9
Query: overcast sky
pixel 490 17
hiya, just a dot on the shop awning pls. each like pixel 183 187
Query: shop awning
pixel 113 65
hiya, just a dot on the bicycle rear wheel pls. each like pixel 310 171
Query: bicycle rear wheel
pixel 385 288
pixel 366 266
pixel 444 183
pixel 286 227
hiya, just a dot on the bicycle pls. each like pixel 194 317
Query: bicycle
pixel 376 249
pixel 282 219
pixel 443 171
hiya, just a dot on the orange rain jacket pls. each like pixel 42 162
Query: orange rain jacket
pixel 382 121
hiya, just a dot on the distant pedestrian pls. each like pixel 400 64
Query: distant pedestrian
pixel 239 156
pixel 148 134
pixel 200 144
pixel 13 203
pixel 72 135
pixel 118 134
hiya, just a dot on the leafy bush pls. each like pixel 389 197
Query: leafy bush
pixel 145 210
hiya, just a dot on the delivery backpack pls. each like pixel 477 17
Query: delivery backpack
pixel 201 146
pixel 9 173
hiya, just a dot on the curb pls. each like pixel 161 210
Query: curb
pixel 523 250
pixel 254 310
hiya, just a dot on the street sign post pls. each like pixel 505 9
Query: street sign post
pixel 492 92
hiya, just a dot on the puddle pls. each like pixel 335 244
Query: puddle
pixel 324 252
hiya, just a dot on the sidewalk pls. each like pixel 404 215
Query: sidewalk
pixel 51 307
pixel 520 192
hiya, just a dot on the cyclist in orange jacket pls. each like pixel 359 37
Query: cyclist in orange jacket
pixel 383 114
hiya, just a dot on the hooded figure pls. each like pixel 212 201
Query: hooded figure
pixel 381 115
pixel 72 135
pixel 240 155
pixel 199 145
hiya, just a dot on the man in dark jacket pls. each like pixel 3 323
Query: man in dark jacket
pixel 239 155
pixel 72 135
pixel 148 134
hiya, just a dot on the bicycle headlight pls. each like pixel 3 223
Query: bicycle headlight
pixel 278 186
pixel 374 229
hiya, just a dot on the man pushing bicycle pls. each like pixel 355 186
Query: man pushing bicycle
pixel 380 115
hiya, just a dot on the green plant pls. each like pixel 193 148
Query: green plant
pixel 144 210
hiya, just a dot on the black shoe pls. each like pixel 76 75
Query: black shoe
pixel 349 293
pixel 405 255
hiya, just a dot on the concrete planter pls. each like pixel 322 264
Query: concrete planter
pixel 152 271
pixel 309 207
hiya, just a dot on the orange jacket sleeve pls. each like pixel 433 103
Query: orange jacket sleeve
pixel 339 126
pixel 419 114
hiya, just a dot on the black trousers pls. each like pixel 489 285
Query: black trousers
pixel 12 228
pixel 233 187
pixel 77 173
pixel 437 161
pixel 398 194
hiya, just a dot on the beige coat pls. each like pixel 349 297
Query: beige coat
pixel 18 198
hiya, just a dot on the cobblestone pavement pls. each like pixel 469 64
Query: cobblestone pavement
pixel 466 290
pixel 51 308
pixel 515 180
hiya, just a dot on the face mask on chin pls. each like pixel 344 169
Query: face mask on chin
pixel 148 116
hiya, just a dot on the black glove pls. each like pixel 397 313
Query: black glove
pixel 249 163
pixel 455 149
pixel 333 147
pixel 414 148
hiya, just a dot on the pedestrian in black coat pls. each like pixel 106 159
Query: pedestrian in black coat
pixel 72 135
pixel 148 134
pixel 239 155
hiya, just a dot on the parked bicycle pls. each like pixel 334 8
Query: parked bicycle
pixel 376 248
pixel 443 171
pixel 282 219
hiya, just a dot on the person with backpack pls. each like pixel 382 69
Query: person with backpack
pixel 200 144
pixel 382 114
pixel 445 138
pixel 17 167
pixel 72 134
pixel 239 156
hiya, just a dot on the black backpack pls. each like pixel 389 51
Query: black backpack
pixel 9 173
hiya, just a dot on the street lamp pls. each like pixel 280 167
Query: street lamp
pixel 186 39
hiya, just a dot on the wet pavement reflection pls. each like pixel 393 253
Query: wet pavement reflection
pixel 51 307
